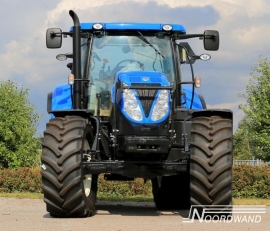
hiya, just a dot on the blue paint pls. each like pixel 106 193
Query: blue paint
pixel 132 26
pixel 197 104
pixel 141 77
pixel 61 99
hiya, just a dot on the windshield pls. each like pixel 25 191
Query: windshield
pixel 111 54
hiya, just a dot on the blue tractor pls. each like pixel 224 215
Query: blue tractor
pixel 126 113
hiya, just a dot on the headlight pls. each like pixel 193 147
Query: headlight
pixel 161 107
pixel 131 106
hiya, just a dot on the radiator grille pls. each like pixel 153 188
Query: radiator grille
pixel 146 96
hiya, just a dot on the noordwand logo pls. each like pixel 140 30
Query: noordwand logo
pixel 226 214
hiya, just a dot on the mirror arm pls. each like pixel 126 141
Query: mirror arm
pixel 53 35
pixel 213 37
pixel 201 36
pixel 187 36
pixel 194 57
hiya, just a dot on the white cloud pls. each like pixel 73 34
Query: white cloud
pixel 247 36
pixel 13 59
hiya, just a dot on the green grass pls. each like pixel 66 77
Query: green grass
pixel 21 195
pixel 28 195
pixel 251 201
pixel 236 201
pixel 122 199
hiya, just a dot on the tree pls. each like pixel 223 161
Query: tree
pixel 242 143
pixel 257 110
pixel 18 121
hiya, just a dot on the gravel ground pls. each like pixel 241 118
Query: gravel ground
pixel 30 214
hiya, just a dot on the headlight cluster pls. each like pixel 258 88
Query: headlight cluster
pixel 131 106
pixel 161 107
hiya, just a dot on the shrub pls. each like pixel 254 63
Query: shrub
pixel 124 188
pixel 20 180
pixel 29 180
pixel 248 181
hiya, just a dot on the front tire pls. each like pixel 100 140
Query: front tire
pixel 211 164
pixel 68 192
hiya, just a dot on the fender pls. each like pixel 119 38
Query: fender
pixel 224 113
pixel 197 103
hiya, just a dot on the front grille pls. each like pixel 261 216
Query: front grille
pixel 146 96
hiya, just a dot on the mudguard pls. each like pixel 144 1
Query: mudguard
pixel 61 98
pixel 187 96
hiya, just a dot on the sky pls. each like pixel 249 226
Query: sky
pixel 244 28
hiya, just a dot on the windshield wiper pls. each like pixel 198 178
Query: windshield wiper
pixel 150 44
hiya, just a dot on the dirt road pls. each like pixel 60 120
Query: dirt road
pixel 29 214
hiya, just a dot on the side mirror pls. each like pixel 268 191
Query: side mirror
pixel 54 38
pixel 211 40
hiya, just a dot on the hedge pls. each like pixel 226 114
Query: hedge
pixel 248 181
pixel 29 180
pixel 20 180
pixel 124 188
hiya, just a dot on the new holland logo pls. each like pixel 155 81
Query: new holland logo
pixel 145 78
pixel 225 214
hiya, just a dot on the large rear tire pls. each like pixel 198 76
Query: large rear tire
pixel 171 192
pixel 68 192
pixel 211 164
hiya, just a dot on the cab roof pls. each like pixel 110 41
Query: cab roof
pixel 127 26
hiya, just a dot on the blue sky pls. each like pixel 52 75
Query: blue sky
pixel 244 28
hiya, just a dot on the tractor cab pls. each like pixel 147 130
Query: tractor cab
pixel 131 70
pixel 118 53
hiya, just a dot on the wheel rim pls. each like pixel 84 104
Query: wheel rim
pixel 87 180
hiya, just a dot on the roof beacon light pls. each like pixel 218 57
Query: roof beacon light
pixel 97 26
pixel 71 79
pixel 167 27
pixel 197 82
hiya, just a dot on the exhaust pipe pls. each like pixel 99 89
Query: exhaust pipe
pixel 76 60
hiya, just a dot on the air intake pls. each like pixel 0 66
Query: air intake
pixel 146 96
